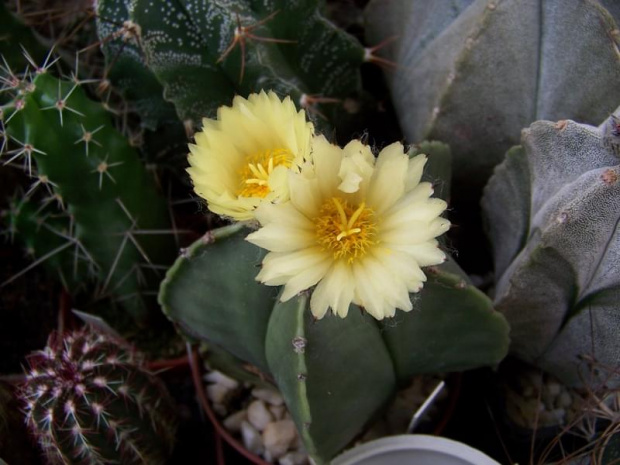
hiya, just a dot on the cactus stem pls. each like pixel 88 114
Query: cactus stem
pixel 245 32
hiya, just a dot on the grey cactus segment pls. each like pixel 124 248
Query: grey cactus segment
pixel 473 73
pixel 88 400
pixel 205 52
pixel 335 374
pixel 560 291
pixel 510 186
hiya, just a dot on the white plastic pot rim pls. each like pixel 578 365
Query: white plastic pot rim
pixel 414 446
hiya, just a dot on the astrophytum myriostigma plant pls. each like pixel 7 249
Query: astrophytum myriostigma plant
pixel 357 227
pixel 473 73
pixel 552 210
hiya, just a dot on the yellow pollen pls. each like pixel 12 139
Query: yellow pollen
pixel 346 231
pixel 255 172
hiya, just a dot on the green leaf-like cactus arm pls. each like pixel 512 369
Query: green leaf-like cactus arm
pixel 334 373
pixel 210 294
pixel 452 327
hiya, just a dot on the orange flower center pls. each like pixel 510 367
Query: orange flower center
pixel 345 230
pixel 258 167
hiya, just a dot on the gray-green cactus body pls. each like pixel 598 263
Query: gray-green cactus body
pixel 89 400
pixel 119 221
pixel 552 210
pixel 473 73
pixel 335 374
pixel 203 53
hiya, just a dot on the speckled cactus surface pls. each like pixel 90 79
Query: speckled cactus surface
pixel 552 211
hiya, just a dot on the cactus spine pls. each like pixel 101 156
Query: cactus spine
pixel 89 401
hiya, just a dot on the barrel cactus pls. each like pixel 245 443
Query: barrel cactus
pixel 552 213
pixel 89 400
pixel 473 73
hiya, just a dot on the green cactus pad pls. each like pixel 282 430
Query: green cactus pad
pixel 322 367
pixel 560 292
pixel 447 309
pixel 473 73
pixel 210 294
pixel 289 47
pixel 120 219
pixel 334 374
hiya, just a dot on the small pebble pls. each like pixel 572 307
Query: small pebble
pixel 217 377
pixel 277 411
pixel 258 415
pixel 268 395
pixel 278 436
pixel 564 400
pixel 233 422
pixel 251 438
pixel 217 393
pixel 294 458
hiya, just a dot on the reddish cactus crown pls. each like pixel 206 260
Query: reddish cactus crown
pixel 88 401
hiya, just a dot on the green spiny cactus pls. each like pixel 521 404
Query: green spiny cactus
pixel 47 235
pixel 334 373
pixel 88 400
pixel 472 73
pixel 118 219
pixel 203 53
pixel 552 211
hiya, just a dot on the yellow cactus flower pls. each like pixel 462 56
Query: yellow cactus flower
pixel 242 157
pixel 358 228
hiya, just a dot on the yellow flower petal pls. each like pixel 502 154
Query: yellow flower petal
pixel 242 158
pixel 357 229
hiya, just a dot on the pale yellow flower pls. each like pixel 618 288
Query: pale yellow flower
pixel 358 228
pixel 242 157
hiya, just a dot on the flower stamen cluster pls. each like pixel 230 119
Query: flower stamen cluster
pixel 346 232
